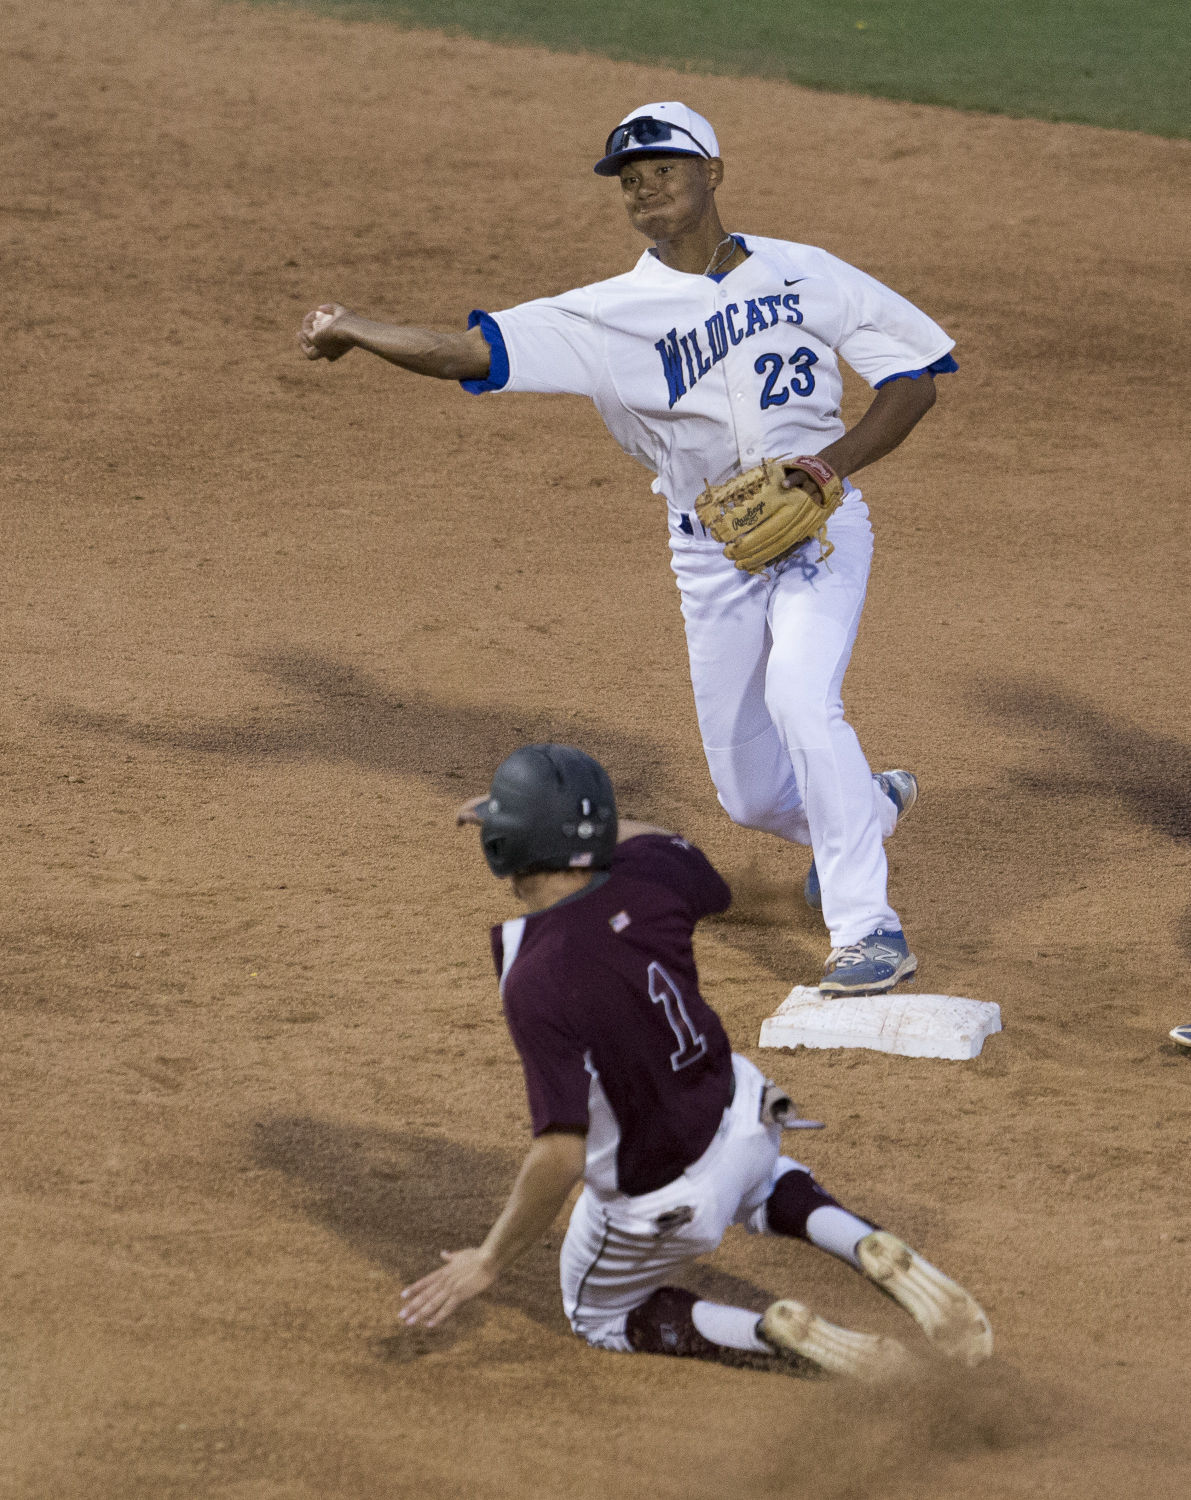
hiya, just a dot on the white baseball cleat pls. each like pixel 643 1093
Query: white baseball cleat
pixel 1182 1035
pixel 791 1327
pixel 950 1317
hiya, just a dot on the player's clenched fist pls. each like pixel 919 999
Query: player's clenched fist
pixel 317 336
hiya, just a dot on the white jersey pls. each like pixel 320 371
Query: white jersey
pixel 700 379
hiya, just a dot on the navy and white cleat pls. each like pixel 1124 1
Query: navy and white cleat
pixel 811 892
pixel 1182 1035
pixel 901 787
pixel 870 967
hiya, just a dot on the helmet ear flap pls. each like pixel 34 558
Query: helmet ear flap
pixel 493 845
pixel 504 845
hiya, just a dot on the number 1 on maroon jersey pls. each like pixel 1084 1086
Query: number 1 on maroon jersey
pixel 692 1045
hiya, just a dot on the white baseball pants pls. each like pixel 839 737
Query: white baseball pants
pixel 768 657
pixel 619 1250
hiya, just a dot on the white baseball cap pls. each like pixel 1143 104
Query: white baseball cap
pixel 658 129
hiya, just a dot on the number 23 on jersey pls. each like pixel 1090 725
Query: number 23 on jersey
pixel 773 367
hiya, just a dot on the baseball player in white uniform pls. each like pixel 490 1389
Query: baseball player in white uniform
pixel 713 352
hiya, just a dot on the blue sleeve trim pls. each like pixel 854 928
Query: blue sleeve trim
pixel 944 366
pixel 498 367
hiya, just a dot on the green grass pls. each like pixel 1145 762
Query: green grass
pixel 1124 64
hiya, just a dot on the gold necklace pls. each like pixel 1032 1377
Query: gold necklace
pixel 717 259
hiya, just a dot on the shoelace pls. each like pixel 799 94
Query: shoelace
pixel 843 958
pixel 855 953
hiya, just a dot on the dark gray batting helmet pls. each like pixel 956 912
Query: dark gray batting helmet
pixel 550 807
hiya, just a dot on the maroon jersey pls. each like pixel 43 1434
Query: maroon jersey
pixel 602 1000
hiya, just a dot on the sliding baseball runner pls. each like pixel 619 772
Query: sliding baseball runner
pixel 633 1087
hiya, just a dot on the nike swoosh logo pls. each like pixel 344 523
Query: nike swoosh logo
pixel 796 280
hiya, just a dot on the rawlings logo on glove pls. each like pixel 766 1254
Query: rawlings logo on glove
pixel 749 518
pixel 761 519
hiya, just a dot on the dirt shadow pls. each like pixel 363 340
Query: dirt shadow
pixel 1099 758
pixel 343 715
pixel 339 713
pixel 399 1197
pixel 770 922
pixel 1148 774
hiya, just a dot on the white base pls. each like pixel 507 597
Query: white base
pixel 908 1025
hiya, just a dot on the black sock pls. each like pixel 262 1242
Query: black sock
pixel 793 1200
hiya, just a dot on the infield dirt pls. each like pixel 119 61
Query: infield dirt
pixel 267 622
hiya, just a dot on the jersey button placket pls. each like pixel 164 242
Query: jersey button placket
pixel 734 385
pixel 745 417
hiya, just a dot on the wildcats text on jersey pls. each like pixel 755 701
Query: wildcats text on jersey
pixel 684 359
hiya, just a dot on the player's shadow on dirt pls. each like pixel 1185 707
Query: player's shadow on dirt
pixel 400 1197
pixel 336 713
pixel 333 712
pixel 1148 774
pixel 1101 760
pixel 770 922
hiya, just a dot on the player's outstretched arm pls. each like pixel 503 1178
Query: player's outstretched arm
pixel 331 331
pixel 552 1167
pixel 895 411
pixel 466 812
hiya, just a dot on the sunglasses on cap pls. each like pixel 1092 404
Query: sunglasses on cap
pixel 645 131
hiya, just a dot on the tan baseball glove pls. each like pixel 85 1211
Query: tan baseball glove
pixel 760 521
